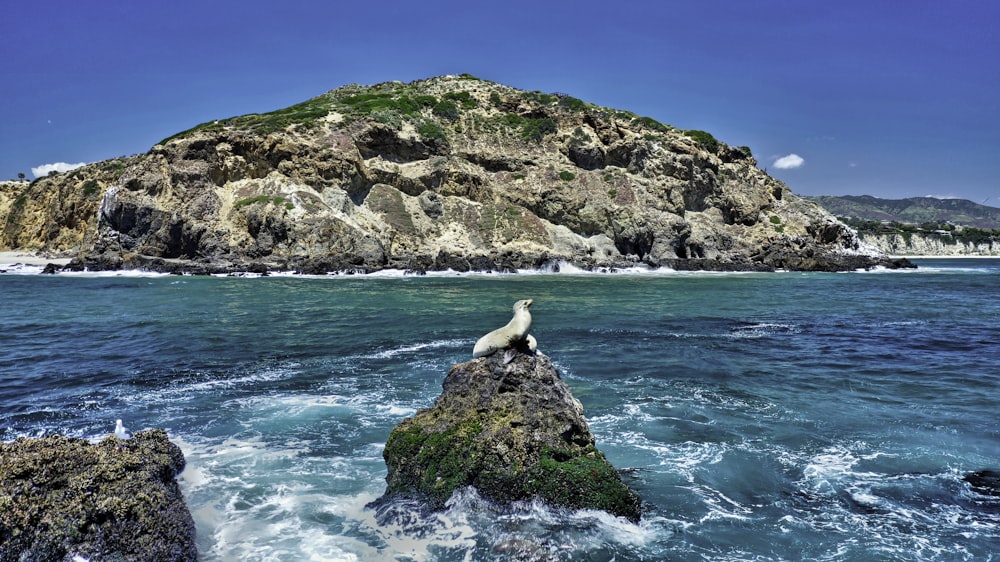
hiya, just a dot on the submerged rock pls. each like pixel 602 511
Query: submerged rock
pixel 118 499
pixel 511 429
pixel 985 482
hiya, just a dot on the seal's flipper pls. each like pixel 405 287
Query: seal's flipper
pixel 509 355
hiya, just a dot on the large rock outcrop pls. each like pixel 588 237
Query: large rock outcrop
pixel 446 173
pixel 514 432
pixel 115 500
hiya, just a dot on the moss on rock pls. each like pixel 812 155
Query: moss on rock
pixel 511 430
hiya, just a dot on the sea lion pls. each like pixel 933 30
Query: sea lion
pixel 504 338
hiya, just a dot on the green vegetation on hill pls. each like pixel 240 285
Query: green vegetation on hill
pixel 913 210
pixel 952 221
pixel 946 232
pixel 529 115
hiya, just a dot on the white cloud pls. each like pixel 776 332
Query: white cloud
pixel 60 167
pixel 788 162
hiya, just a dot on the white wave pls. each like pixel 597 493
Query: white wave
pixel 185 390
pixel 18 268
pixel 763 329
pixel 721 507
pixel 390 353
pixel 684 458
pixel 24 269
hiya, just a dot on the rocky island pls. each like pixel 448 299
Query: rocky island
pixel 448 173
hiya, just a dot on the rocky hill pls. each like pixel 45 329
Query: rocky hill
pixel 912 210
pixel 452 172
pixel 920 226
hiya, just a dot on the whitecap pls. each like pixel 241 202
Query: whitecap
pixel 413 348
pixel 763 329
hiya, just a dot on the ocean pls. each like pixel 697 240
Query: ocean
pixel 780 416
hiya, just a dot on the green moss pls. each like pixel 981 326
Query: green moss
pixel 571 103
pixel 431 130
pixel 584 480
pixel 537 128
pixel 651 123
pixel 463 98
pixel 512 120
pixel 579 138
pixel 306 114
pixel 444 462
pixel 704 140
pixel 446 109
pixel 263 200
pixel 251 200
pixel 566 176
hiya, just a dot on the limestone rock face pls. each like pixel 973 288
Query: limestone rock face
pixel 115 500
pixel 514 432
pixel 916 244
pixel 451 172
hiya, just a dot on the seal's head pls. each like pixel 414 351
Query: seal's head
pixel 522 305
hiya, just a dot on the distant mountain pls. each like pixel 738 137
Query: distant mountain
pixel 913 210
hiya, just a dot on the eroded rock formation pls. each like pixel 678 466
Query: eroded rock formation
pixel 114 500
pixel 514 432
pixel 446 173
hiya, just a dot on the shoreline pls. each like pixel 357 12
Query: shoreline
pixel 944 257
pixel 29 258
pixel 25 262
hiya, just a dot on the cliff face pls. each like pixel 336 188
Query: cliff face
pixel 450 172
pixel 916 244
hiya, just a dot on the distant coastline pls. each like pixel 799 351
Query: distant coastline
pixel 944 257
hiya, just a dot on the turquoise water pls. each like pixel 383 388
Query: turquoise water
pixel 784 416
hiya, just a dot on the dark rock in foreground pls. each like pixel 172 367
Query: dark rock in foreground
pixel 985 482
pixel 514 432
pixel 114 500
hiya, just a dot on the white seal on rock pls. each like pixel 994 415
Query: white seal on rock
pixel 504 338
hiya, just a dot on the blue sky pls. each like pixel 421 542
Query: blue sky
pixel 887 98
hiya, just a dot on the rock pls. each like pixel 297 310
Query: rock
pixel 114 500
pixel 365 178
pixel 985 482
pixel 511 430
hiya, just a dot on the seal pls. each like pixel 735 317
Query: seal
pixel 508 336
